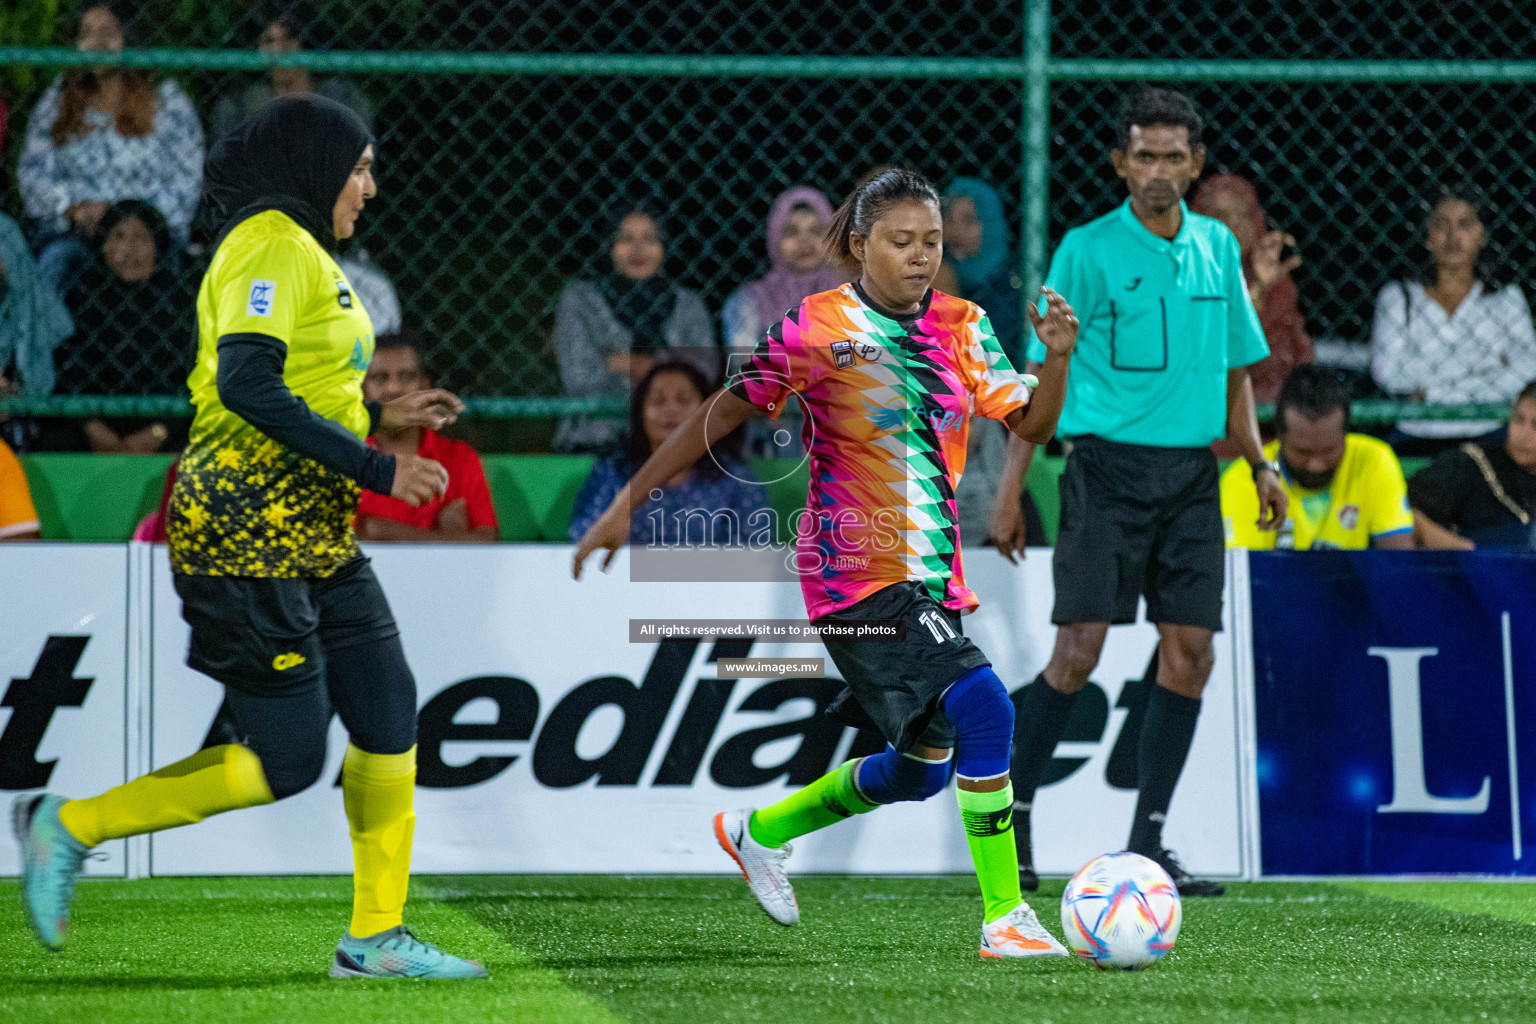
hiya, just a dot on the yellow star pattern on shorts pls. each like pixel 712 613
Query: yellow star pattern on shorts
pixel 227 458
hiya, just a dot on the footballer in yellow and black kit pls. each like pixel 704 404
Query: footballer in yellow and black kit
pixel 284 609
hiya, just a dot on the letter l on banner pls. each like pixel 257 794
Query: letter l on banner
pixel 1410 791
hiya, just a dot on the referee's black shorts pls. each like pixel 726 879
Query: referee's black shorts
pixel 1138 520
pixel 271 637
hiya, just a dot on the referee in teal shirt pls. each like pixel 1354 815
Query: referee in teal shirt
pixel 1168 331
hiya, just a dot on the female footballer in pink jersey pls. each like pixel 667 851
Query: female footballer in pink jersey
pixel 889 372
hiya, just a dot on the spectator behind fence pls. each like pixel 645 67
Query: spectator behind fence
pixel 134 330
pixel 33 319
pixel 719 485
pixel 980 261
pixel 287 28
pixel 374 290
pixel 797 258
pixel 1482 494
pixel 979 265
pixel 797 228
pixel 1235 202
pixel 463 513
pixel 1346 490
pixel 18 518
pixel 1456 336
pixel 610 331
pixel 99 134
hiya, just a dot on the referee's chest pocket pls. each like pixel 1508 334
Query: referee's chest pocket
pixel 1207 316
pixel 1138 335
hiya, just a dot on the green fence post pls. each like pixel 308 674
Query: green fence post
pixel 1036 136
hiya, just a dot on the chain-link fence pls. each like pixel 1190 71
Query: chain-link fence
pixel 509 131
pixel 1350 169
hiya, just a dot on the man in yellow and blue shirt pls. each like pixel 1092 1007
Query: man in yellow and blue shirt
pixel 1346 490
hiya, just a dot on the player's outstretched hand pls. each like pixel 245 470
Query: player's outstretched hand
pixel 1057 328
pixel 1273 501
pixel 610 532
pixel 418 480
pixel 433 408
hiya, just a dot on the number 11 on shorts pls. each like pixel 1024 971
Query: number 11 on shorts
pixel 938 625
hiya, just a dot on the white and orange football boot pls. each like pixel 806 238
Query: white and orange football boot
pixel 762 866
pixel 1019 933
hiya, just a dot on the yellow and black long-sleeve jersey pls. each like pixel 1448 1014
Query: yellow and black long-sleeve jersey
pixel 245 505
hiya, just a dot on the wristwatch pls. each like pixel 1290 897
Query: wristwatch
pixel 1273 465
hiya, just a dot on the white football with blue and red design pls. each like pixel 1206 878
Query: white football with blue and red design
pixel 1121 912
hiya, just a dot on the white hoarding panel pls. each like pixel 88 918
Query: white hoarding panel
pixel 550 742
pixel 63 663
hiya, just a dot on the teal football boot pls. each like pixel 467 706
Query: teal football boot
pixel 398 954
pixel 50 862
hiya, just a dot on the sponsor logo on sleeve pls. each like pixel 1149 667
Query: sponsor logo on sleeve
pixel 260 302
pixel 842 354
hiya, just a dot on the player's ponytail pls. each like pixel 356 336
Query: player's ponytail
pixel 867 203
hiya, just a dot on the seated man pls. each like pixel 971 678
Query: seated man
pixel 464 514
pixel 18 519
pixel 1346 490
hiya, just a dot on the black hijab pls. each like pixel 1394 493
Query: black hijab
pixel 129 335
pixel 294 156
pixel 643 306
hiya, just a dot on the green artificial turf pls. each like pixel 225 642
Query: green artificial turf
pixel 605 949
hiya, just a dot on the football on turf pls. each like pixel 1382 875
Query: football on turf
pixel 1121 912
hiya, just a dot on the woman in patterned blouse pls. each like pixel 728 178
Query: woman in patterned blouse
pixel 98 135
pixel 720 483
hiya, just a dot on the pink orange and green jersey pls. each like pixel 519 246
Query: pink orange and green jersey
pixel 888 403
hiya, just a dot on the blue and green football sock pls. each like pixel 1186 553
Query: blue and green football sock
pixel 824 802
pixel 988 819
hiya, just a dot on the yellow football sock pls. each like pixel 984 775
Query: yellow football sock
pixel 379 791
pixel 209 782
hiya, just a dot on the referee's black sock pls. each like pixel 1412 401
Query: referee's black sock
pixel 1166 734
pixel 1041 719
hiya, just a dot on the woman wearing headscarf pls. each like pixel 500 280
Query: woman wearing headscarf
pixel 1235 202
pixel 798 266
pixel 100 134
pixel 979 265
pixel 284 610
pixel 610 330
pixel 33 319
pixel 797 260
pixel 133 319
pixel 977 250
